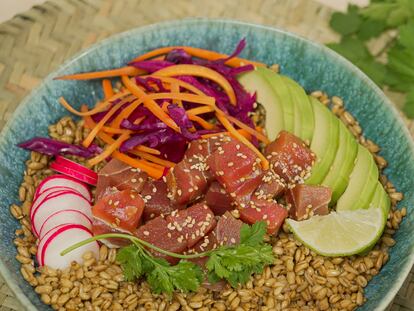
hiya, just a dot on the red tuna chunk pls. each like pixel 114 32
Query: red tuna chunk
pixel 218 199
pixel 205 147
pixel 307 200
pixel 155 196
pixel 121 176
pixel 262 210
pixel 271 187
pixel 238 169
pixel 100 227
pixel 158 233
pixel 290 158
pixel 193 223
pixel 121 210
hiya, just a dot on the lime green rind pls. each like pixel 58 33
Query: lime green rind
pixel 338 177
pixel 381 200
pixel 362 180
pixel 349 232
pixel 254 81
pixel 324 143
pixel 304 108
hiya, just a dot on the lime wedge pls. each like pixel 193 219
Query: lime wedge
pixel 342 233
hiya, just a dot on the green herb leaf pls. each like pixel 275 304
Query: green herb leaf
pixel 406 35
pixel 379 10
pixel 253 235
pixel 375 70
pixel 131 262
pixel 346 23
pixel 370 28
pixel 409 104
pixel 352 49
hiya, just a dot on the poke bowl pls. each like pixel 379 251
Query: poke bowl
pixel 210 165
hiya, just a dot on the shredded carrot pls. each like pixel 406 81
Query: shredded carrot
pixel 164 106
pixel 123 71
pixel 150 104
pixel 200 71
pixel 151 170
pixel 107 88
pixel 197 99
pixel 229 127
pixel 248 129
pixel 175 88
pixel 243 133
pixel 148 150
pixel 124 114
pixel 98 108
pixel 200 110
pixel 200 53
pixel 202 122
pixel 180 83
pixel 154 159
pixel 92 134
pixel 109 149
pixel 112 131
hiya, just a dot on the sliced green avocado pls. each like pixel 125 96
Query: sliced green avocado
pixel 297 114
pixel 338 176
pixel 381 200
pixel 284 94
pixel 255 81
pixel 304 108
pixel 324 143
pixel 362 183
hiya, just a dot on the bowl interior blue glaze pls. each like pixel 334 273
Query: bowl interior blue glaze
pixel 312 65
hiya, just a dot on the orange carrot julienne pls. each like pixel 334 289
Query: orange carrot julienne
pixel 200 110
pixel 248 129
pixel 124 114
pixel 154 159
pixel 197 99
pixel 201 121
pixel 123 71
pixel 200 53
pixel 150 104
pixel 227 125
pixel 109 149
pixel 175 88
pixel 200 71
pixel 112 131
pixel 107 88
pixel 180 83
pixel 98 108
pixel 151 170
pixel 243 133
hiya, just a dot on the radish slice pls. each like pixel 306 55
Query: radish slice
pixel 63 181
pixel 64 200
pixel 76 167
pixel 73 173
pixel 58 239
pixel 65 217
pixel 44 195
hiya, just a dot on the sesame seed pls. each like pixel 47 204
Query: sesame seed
pixel 146 233
pixel 133 180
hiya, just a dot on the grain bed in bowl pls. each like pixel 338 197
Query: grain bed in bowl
pixel 299 279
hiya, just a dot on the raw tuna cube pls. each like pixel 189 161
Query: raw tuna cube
pixel 306 201
pixel 157 232
pixel 194 222
pixel 271 187
pixel 100 227
pixel 122 209
pixel 187 181
pixel 262 210
pixel 237 168
pixel 290 158
pixel 205 147
pixel 155 196
pixel 218 199
pixel 121 176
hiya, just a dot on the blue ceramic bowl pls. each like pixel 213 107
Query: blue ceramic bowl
pixel 312 65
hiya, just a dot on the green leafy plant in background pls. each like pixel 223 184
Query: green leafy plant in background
pixel 359 25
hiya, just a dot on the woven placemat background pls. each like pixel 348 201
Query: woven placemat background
pixel 34 43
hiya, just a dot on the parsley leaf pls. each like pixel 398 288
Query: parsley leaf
pixel 409 104
pixel 406 35
pixel 130 258
pixel 346 23
pixel 370 28
pixel 253 235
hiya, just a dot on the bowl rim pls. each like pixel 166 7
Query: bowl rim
pixel 405 269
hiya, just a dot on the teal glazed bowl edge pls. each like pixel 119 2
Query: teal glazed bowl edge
pixel 314 66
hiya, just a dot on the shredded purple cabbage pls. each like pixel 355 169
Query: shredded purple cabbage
pixel 157 125
pixel 180 117
pixel 53 147
pixel 151 66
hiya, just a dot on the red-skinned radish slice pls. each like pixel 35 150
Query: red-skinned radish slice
pixel 73 173
pixel 44 195
pixel 58 239
pixel 59 201
pixel 63 181
pixel 76 167
pixel 65 217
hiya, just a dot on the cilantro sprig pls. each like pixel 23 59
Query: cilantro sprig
pixel 235 263
pixel 393 65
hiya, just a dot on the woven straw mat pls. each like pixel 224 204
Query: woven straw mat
pixel 34 43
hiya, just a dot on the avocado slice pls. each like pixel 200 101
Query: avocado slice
pixel 362 183
pixel 297 114
pixel 338 176
pixel 303 108
pixel 283 93
pixel 324 143
pixel 255 81
pixel 381 199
